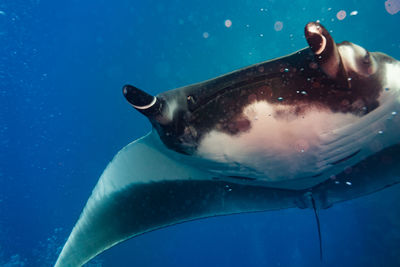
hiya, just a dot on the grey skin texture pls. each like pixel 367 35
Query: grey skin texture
pixel 161 179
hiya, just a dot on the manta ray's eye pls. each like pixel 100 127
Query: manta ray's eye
pixel 191 100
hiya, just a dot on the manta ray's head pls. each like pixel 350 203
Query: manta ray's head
pixel 336 78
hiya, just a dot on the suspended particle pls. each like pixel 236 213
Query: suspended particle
pixel 228 23
pixel 354 13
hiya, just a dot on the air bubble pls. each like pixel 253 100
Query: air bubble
pixel 341 15
pixel 278 26
pixel 392 6
pixel 228 23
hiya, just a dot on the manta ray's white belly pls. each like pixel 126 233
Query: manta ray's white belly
pixel 299 151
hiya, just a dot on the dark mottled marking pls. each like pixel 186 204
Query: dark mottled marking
pixel 291 81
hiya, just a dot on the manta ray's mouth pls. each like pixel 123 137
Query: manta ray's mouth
pixel 196 102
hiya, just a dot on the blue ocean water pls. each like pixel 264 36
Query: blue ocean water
pixel 63 117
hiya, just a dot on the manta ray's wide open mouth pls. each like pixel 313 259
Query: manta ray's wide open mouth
pixel 207 95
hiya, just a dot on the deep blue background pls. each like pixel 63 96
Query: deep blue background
pixel 63 117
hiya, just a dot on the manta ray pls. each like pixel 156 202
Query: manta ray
pixel 307 130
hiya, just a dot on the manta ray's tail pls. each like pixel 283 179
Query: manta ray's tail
pixel 318 226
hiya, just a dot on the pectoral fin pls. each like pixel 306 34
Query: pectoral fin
pixel 142 189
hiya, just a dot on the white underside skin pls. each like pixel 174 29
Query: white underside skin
pixel 286 151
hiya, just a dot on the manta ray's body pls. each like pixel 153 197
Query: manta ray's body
pixel 307 130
